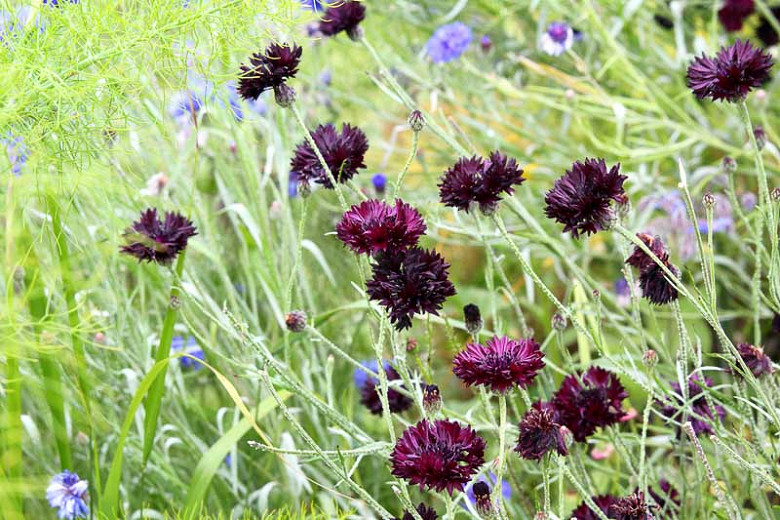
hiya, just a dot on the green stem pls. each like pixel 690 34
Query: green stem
pixel 157 389
pixel 298 256
pixel 407 165
pixel 501 448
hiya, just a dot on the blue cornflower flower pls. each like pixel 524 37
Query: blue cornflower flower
pixel 379 181
pixel 361 377
pixel 292 185
pixel 68 493
pixel 191 348
pixel 186 105
pixel 506 489
pixel 449 42
pixel 557 39
pixel 17 153
pixel 312 5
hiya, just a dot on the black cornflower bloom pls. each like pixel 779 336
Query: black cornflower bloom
pixel 703 415
pixel 369 393
pixel 425 512
pixel 409 282
pixel 596 402
pixel 161 241
pixel 481 181
pixel 755 359
pixel 632 507
pixel 343 16
pixel 438 455
pixel 656 287
pixel 642 260
pixel 583 512
pixel 734 12
pixel 580 200
pixel 269 70
pixel 732 74
pixel 374 226
pixel 500 364
pixel 539 434
pixel 343 153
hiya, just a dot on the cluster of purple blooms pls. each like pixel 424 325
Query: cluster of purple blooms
pixel 437 453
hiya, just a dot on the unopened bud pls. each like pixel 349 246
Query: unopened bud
pixel 175 302
pixel 431 400
pixel 486 43
pixel 473 318
pixel 760 134
pixel 304 188
pixel 708 199
pixel 775 194
pixel 559 322
pixel 650 358
pixel 411 345
pixel 729 164
pixel 416 120
pixel 482 498
pixel 355 33
pixel 295 321
pixel 568 438
pixel 284 95
pixel 541 515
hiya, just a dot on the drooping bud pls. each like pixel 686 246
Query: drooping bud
pixel 760 135
pixel 431 400
pixel 473 318
pixel 416 120
pixel 295 321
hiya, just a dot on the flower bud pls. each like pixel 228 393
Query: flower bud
pixel 708 199
pixel 486 43
pixel 431 400
pixel 416 120
pixel 729 164
pixel 411 345
pixel 304 188
pixel 650 358
pixel 760 134
pixel 483 504
pixel 295 321
pixel 284 95
pixel 379 181
pixel 775 194
pixel 559 322
pixel 175 302
pixel 473 318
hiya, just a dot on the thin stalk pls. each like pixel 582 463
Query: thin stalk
pixel 298 256
pixel 412 154
pixel 721 496
pixel 584 494
pixel 763 183
pixel 501 447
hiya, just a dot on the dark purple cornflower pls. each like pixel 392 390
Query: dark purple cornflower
pixel 438 455
pixel 667 496
pixel 374 226
pixel 580 200
pixel 583 512
pixel 755 359
pixel 632 507
pixel 539 434
pixel 270 70
pixel 656 287
pixel 734 12
pixel 343 153
pixel 152 239
pixel 500 364
pixel 482 502
pixel 481 181
pixel 703 416
pixel 595 402
pixel 369 390
pixel 425 512
pixel 343 16
pixel 409 282
pixel 732 74
pixel 642 260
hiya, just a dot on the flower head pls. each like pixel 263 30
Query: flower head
pixel 642 260
pixel 374 226
pixel 425 512
pixel 595 402
pixel 734 12
pixel 449 42
pixel 557 39
pixel 583 511
pixel 755 359
pixel 632 507
pixel 655 285
pixel 732 74
pixel 343 16
pixel 152 239
pixel 500 364
pixel 580 200
pixel 702 416
pixel 477 180
pixel 295 321
pixel 540 433
pixel 343 153
pixel 270 70
pixel 68 493
pixel 438 455
pixel 369 392
pixel 409 282
pixel 17 152
pixel 191 348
